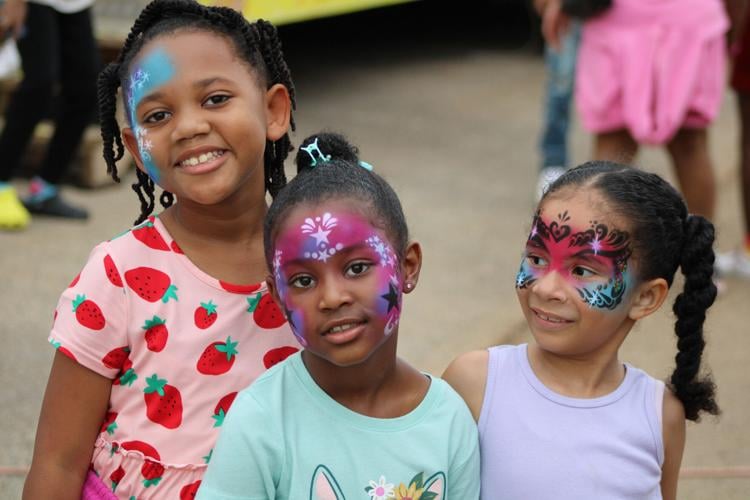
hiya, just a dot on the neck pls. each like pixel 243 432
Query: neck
pixel 581 375
pixel 359 387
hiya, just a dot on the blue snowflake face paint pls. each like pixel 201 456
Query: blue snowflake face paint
pixel 593 260
pixel 151 72
pixel 325 262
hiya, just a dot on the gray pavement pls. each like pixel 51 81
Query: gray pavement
pixel 454 130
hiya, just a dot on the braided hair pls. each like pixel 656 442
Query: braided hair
pixel 339 175
pixel 256 43
pixel 665 237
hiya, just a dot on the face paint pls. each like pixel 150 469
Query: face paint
pixel 318 239
pixel 556 247
pixel 152 72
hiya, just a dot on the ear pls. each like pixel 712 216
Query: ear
pixel 435 484
pixel 131 144
pixel 278 112
pixel 648 297
pixel 411 266
pixel 324 486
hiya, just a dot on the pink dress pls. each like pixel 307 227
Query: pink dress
pixel 652 67
pixel 178 345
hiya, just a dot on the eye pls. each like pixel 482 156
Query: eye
pixel 583 272
pixel 536 260
pixel 357 268
pixel 302 281
pixel 216 99
pixel 156 117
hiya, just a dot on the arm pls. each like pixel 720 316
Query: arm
pixel 13 17
pixel 74 406
pixel 673 428
pixel 554 22
pixel 467 374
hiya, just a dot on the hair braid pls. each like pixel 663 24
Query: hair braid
pixel 107 85
pixel 696 262
pixel 144 188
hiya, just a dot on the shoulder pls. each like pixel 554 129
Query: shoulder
pixel 467 374
pixel 673 419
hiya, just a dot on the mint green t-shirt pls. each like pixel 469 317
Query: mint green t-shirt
pixel 285 438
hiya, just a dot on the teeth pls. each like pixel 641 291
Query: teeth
pixel 203 158
pixel 341 328
pixel 552 320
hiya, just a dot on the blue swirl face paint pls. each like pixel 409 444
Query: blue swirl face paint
pixel 153 71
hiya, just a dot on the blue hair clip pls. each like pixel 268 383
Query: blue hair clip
pixel 311 148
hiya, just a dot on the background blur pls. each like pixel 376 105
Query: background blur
pixel 444 99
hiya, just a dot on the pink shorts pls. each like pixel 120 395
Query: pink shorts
pixel 652 67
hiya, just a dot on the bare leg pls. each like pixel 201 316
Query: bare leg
pixel 744 101
pixel 689 152
pixel 616 146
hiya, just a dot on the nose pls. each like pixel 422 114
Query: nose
pixel 550 287
pixel 191 121
pixel 334 293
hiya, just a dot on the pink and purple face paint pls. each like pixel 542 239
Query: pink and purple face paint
pixel 153 71
pixel 562 249
pixel 318 239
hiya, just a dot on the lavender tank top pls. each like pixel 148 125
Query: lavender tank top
pixel 537 444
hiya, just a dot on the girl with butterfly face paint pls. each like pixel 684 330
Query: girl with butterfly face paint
pixel 345 414
pixel 602 252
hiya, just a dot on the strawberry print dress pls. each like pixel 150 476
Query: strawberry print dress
pixel 178 346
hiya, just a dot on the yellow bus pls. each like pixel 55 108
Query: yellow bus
pixel 290 11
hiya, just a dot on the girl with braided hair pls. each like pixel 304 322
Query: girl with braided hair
pixel 563 417
pixel 169 320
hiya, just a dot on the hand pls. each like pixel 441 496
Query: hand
pixel 13 17
pixel 554 23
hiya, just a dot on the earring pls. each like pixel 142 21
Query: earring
pixel 409 286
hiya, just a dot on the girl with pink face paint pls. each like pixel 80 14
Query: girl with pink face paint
pixel 563 417
pixel 345 414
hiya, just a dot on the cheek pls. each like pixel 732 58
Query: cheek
pixel 294 313
pixel 606 296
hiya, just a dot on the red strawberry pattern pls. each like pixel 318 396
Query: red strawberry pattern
pixel 130 290
pixel 151 284
pixel 163 402
pixel 147 234
pixel 240 289
pixel 88 313
pixel 156 334
pixel 222 407
pixel 116 357
pixel 62 350
pixel 278 355
pixel 116 477
pixel 111 271
pixel 205 315
pixel 265 312
pixel 218 357
pixel 189 491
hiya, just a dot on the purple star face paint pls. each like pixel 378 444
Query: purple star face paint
pixel 330 264
pixel 593 260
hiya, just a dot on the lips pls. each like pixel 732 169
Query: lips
pixel 549 319
pixel 344 331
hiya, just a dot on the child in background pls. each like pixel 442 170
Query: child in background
pixel 652 72
pixel 563 417
pixel 166 322
pixel 345 416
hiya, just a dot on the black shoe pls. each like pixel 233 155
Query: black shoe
pixel 55 207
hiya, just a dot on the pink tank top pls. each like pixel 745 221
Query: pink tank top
pixel 538 444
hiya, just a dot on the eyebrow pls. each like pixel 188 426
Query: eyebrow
pixel 346 249
pixel 200 84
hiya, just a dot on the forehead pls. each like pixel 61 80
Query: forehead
pixel 581 209
pixel 195 52
pixel 352 220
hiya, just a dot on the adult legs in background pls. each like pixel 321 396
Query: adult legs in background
pixel 558 98
pixel 618 146
pixel 694 170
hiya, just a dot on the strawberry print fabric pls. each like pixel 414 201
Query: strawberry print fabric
pixel 178 346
